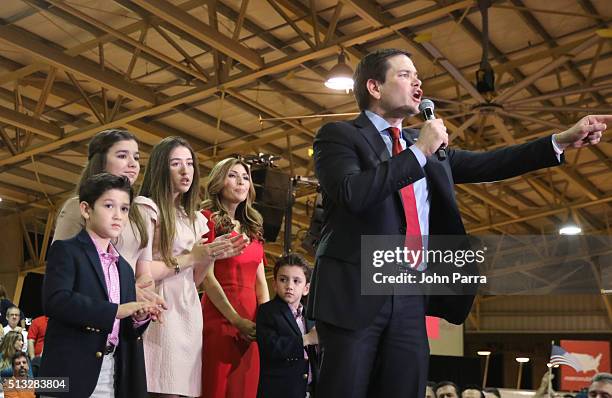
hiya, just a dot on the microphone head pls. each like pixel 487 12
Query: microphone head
pixel 426 103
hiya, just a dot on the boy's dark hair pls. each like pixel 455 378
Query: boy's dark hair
pixel 95 186
pixel 18 355
pixel 293 259
pixel 473 387
pixel 431 384
pixel 372 66
pixel 493 391
pixel 446 383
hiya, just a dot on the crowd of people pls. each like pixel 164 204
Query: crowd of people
pixel 599 387
pixel 18 337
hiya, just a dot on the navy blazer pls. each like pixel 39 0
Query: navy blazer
pixel 75 299
pixel 360 184
pixel 283 370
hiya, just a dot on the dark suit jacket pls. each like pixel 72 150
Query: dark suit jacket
pixel 360 183
pixel 81 316
pixel 283 370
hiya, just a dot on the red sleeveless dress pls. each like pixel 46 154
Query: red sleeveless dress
pixel 230 364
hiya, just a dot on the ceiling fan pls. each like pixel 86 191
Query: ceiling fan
pixel 487 103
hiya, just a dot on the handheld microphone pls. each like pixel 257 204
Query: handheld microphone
pixel 427 111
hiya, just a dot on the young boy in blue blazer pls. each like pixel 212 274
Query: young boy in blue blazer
pixel 89 296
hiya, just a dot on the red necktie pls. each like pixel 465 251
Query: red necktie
pixel 414 240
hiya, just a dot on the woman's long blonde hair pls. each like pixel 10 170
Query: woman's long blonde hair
pixel 96 163
pixel 251 221
pixel 157 185
pixel 7 348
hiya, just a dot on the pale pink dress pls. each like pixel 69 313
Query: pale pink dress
pixel 173 349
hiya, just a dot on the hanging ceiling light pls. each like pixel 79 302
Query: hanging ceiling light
pixel 340 77
pixel 570 230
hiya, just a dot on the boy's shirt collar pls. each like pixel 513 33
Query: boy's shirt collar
pixel 110 252
pixel 296 312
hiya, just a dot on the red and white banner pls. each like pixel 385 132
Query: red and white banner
pixel 593 357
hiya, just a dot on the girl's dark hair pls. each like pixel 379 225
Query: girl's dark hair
pixel 97 149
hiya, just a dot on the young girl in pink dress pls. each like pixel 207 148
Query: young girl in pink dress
pixel 173 349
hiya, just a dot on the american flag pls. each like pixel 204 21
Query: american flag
pixel 559 356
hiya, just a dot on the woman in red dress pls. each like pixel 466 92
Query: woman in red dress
pixel 234 287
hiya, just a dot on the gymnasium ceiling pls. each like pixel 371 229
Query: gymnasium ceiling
pixel 240 76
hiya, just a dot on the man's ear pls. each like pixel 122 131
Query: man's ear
pixel 306 289
pixel 373 87
pixel 85 210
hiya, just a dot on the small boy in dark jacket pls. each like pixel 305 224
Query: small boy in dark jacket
pixel 287 340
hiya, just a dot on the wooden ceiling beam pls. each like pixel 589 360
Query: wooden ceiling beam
pixel 243 78
pixel 489 199
pixel 68 94
pixel 580 182
pixel 532 215
pixel 367 11
pixel 453 71
pixel 252 107
pixel 17 198
pixel 500 125
pixel 28 43
pixel 18 194
pixel 272 112
pixel 301 12
pixel 44 179
pixel 127 39
pixel 104 37
pixel 537 27
pixel 476 36
pixel 547 68
pixel 35 125
pixel 196 28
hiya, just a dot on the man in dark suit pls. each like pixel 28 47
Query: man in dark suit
pixel 376 180
pixel 286 338
pixel 94 322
